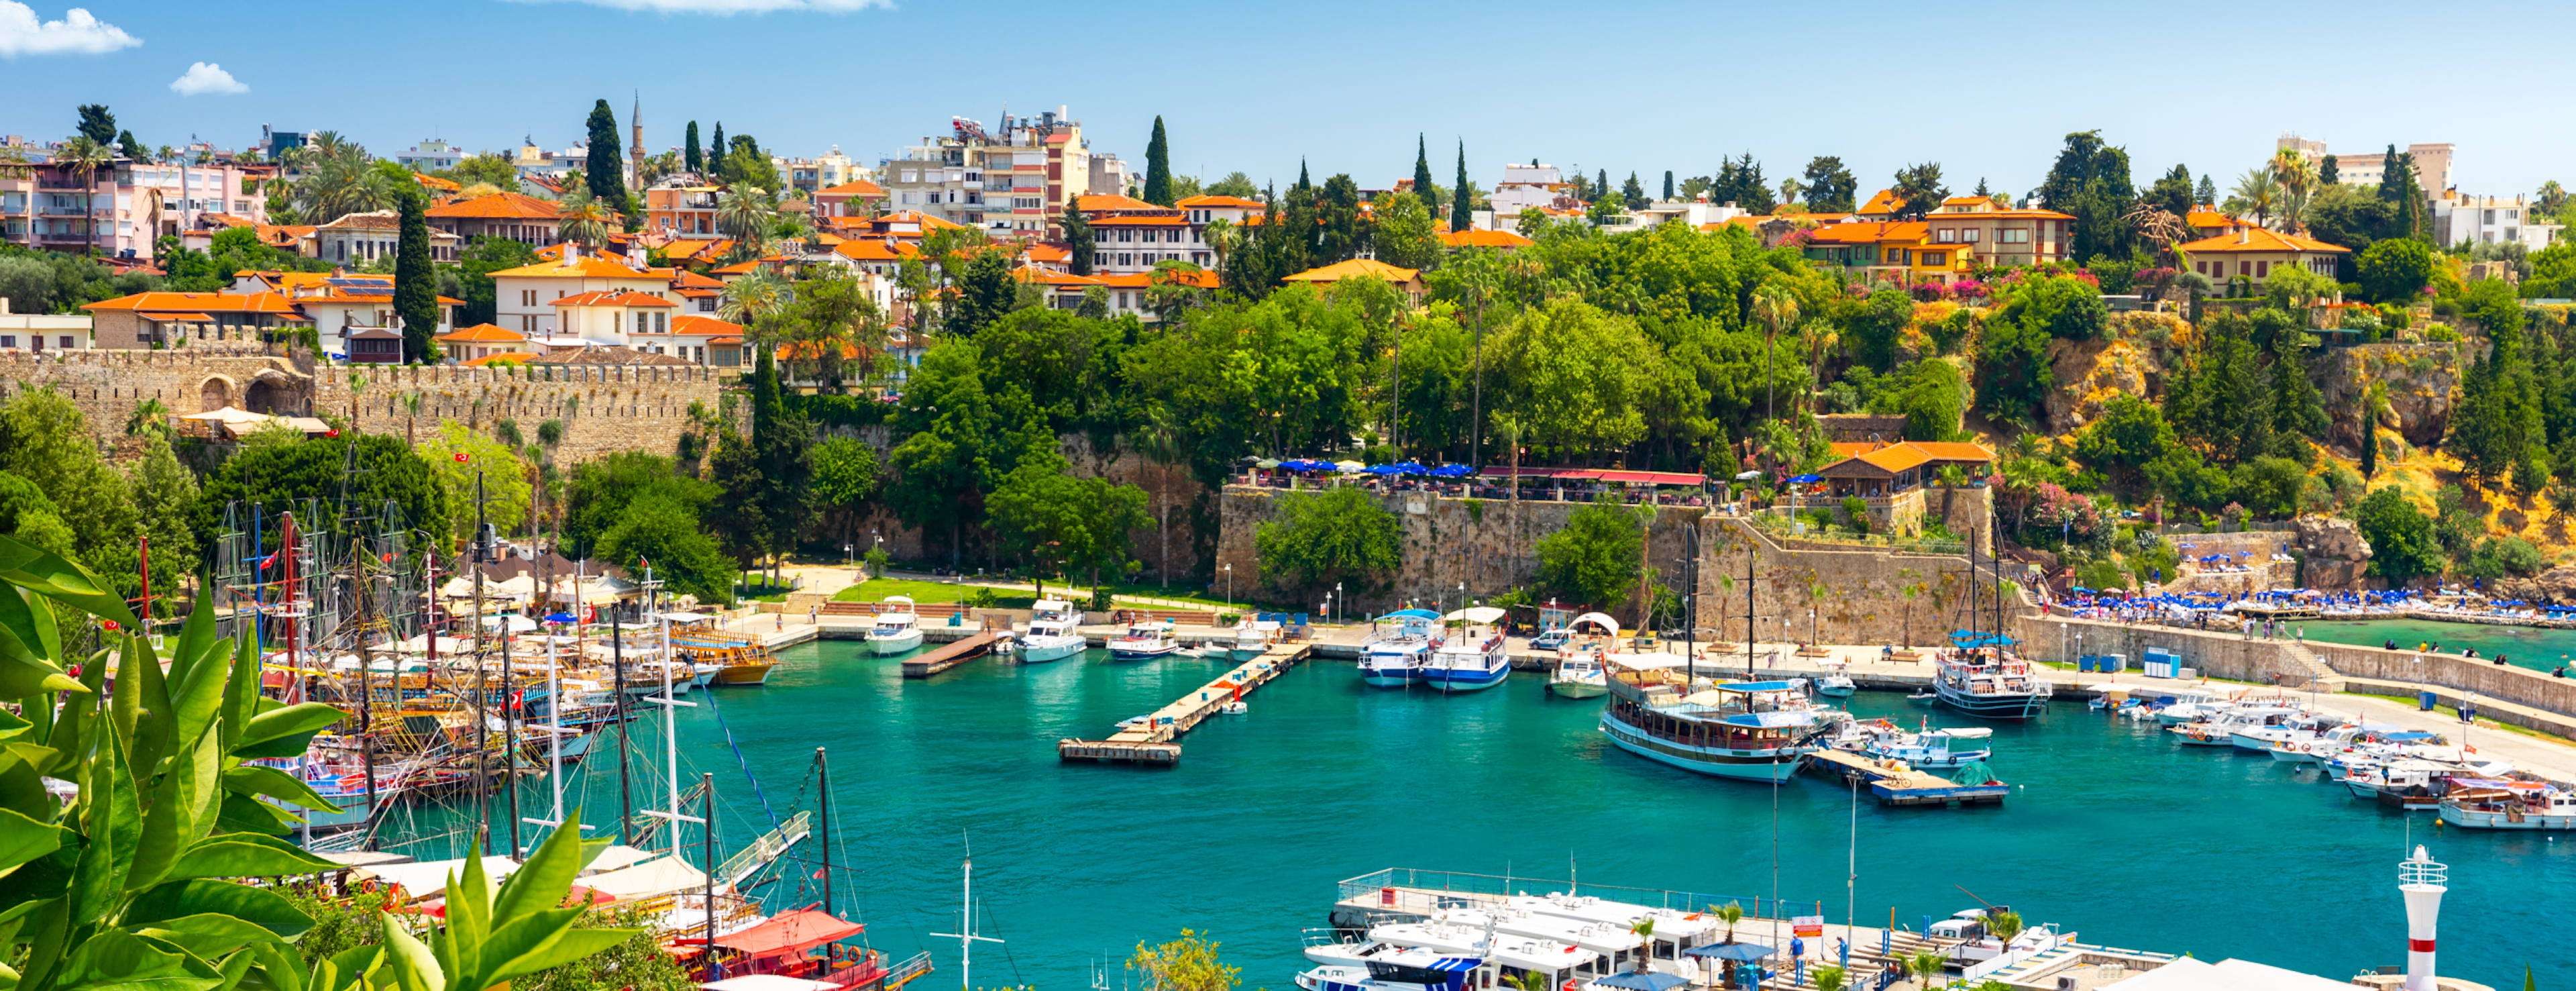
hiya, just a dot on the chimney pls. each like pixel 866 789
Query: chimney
pixel 2422 882
pixel 2244 235
pixel 4 306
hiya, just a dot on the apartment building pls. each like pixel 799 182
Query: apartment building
pixel 431 155
pixel 1014 179
pixel 516 216
pixel 813 175
pixel 130 205
pixel 1996 235
pixel 524 297
pixel 2459 219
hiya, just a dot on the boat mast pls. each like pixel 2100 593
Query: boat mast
pixel 709 834
pixel 482 724
pixel 965 936
pixel 670 741
pixel 1690 599
pixel 510 737
pixel 366 702
pixel 824 766
pixel 554 742
pixel 1750 550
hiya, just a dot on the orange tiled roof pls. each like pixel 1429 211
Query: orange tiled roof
pixel 500 206
pixel 2203 217
pixel 1852 448
pixel 1135 220
pixel 196 302
pixel 869 249
pixel 1220 203
pixel 1112 203
pixel 434 182
pixel 483 333
pixel 685 250
pixel 1043 252
pixel 588 267
pixel 1370 268
pixel 2258 239
pixel 1032 273
pixel 690 279
pixel 1953 450
pixel 1144 280
pixel 1885 202
pixel 1484 239
pixel 611 297
pixel 688 323
pixel 1895 457
pixel 513 357
pixel 857 187
pixel 1871 232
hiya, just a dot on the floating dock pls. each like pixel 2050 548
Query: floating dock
pixel 1901 785
pixel 1157 740
pixel 950 655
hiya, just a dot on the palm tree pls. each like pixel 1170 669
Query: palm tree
pixel 2005 925
pixel 2257 192
pixel 1827 977
pixel 411 418
pixel 1925 965
pixel 584 219
pixel 1817 335
pixel 1220 237
pixel 85 156
pixel 2552 198
pixel 1731 913
pixel 151 416
pixel 1910 591
pixel 2297 177
pixel 751 301
pixel 743 213
pixel 1776 308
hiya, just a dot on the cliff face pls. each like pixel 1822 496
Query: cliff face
pixel 2422 382
pixel 2091 373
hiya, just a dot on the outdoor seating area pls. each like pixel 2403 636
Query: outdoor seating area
pixel 1662 488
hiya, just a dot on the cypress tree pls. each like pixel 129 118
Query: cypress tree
pixel 416 281
pixel 1302 181
pixel 1078 240
pixel 1461 208
pixel 716 151
pixel 2327 174
pixel 2370 433
pixel 1601 186
pixel 691 155
pixel 126 142
pixel 606 166
pixel 1668 185
pixel 1158 167
pixel 1422 176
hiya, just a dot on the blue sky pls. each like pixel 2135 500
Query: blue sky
pixel 1987 89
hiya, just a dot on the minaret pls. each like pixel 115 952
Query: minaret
pixel 2422 882
pixel 635 147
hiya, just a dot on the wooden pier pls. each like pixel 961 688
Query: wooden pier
pixel 1901 785
pixel 950 655
pixel 1157 741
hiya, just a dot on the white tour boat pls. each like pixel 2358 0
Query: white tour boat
pixel 1470 656
pixel 1145 640
pixel 1051 635
pixel 1396 648
pixel 897 629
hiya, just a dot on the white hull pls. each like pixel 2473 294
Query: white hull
pixel 896 644
pixel 2466 819
pixel 1040 650
pixel 1577 689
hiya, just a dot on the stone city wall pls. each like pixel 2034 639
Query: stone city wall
pixel 2226 655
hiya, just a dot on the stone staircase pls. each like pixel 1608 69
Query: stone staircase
pixel 2306 659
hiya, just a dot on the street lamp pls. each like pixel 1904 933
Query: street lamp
pixel 1815 629
pixel 1338 603
pixel 1229 585
pixel 2061 643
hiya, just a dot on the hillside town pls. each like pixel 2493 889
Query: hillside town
pixel 377 518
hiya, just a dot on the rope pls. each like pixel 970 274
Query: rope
pixel 741 760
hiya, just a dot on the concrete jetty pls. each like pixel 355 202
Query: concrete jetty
pixel 1157 739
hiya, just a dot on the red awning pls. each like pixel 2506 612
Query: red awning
pixel 1651 477
pixel 788 933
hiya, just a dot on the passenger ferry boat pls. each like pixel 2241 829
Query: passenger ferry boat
pixel 1750 731
pixel 1051 635
pixel 1403 970
pixel 897 629
pixel 1145 640
pixel 1475 933
pixel 1983 679
pixel 1393 655
pixel 1470 655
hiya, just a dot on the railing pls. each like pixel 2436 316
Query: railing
pixel 765 849
pixel 1383 889
pixel 918 965
pixel 1775 522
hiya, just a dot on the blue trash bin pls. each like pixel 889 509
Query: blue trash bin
pixel 2423 701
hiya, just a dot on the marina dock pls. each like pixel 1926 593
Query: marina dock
pixel 1905 786
pixel 1157 740
pixel 949 655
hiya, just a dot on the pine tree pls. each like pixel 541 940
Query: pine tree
pixel 1302 182
pixel 692 156
pixel 1668 185
pixel 1422 176
pixel 1158 167
pixel 1461 206
pixel 2298 409
pixel 1981 189
pixel 416 280
pixel 2206 193
pixel 606 164
pixel 126 142
pixel 1601 186
pixel 1633 193
pixel 96 123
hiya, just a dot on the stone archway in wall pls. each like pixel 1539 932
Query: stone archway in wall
pixel 270 393
pixel 217 392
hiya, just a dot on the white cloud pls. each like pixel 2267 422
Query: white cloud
pixel 729 7
pixel 206 77
pixel 77 33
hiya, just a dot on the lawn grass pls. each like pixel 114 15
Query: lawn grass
pixel 928 593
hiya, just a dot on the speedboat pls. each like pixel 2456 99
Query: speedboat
pixel 2297 727
pixel 1145 640
pixel 1836 686
pixel 1051 635
pixel 1252 638
pixel 1578 677
pixel 1565 950
pixel 1403 970
pixel 1393 655
pixel 1749 731
pixel 1470 655
pixel 897 628
pixel 1952 747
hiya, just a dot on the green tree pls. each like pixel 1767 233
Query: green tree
pixel 984 292
pixel 1079 241
pixel 605 168
pixel 1314 541
pixel 1189 963
pixel 1633 193
pixel 2404 193
pixel 96 123
pixel 2395 271
pixel 2013 374
pixel 2402 542
pixel 505 488
pixel 691 157
pixel 1406 235
pixel 483 256
pixel 1668 184
pixel 1594 558
pixel 86 156
pixel 2219 399
pixel 1158 167
pixel 1422 186
pixel 1831 188
pixel 1875 328
pixel 416 282
pixel 845 478
pixel 2090 180
pixel 1921 190
pixel 1461 206
pixel 26 514
pixel 1344 232
pixel 658 528
pixel 165 502
pixel 45 439
pixel 600 490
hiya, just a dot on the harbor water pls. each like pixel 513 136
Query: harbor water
pixel 2523 646
pixel 2113 830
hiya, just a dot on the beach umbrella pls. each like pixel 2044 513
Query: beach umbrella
pixel 1410 468
pixel 1807 479
pixel 1652 980
pixel 562 618
pixel 1349 466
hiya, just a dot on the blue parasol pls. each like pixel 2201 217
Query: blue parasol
pixel 1807 479
pixel 1646 981
pixel 1734 952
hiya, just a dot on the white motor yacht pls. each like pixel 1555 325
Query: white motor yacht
pixel 1252 638
pixel 1145 640
pixel 1578 676
pixel 897 628
pixel 1051 635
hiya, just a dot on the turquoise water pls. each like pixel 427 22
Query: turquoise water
pixel 2522 646
pixel 2115 831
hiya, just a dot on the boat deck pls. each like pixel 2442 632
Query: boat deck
pixel 949 655
pixel 1157 742
pixel 1893 786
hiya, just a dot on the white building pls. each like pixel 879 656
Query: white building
pixel 1525 187
pixel 2368 167
pixel 2461 219
pixel 431 155
pixel 1015 179
pixel 41 332
pixel 813 175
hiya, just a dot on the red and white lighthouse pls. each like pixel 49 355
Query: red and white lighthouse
pixel 2422 882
